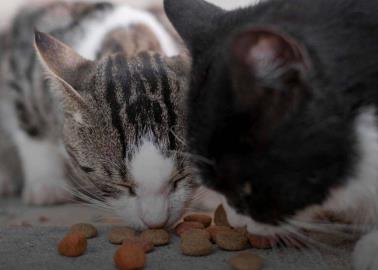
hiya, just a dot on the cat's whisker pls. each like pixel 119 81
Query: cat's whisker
pixel 324 229
pixel 339 226
pixel 195 157
pixel 308 246
pixel 198 195
pixel 307 240
pixel 182 141
pixel 84 193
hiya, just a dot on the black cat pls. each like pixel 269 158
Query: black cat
pixel 283 100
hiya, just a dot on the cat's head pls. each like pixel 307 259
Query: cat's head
pixel 121 119
pixel 280 149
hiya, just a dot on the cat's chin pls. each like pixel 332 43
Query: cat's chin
pixel 237 220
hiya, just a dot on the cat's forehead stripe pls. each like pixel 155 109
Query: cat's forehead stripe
pixel 114 107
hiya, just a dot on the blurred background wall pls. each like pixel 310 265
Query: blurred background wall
pixel 9 7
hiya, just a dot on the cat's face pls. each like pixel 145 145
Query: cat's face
pixel 278 151
pixel 121 117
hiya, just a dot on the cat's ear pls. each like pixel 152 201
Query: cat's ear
pixel 269 71
pixel 64 64
pixel 268 54
pixel 193 20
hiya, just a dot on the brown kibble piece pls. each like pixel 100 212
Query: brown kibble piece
pixel 231 240
pixel 72 245
pixel 195 246
pixel 242 230
pixel 196 233
pixel 158 237
pixel 260 242
pixel 204 219
pixel 119 234
pixel 187 226
pixel 129 257
pixel 146 245
pixel 246 261
pixel 214 230
pixel 88 230
pixel 220 217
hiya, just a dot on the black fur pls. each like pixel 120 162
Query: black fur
pixel 288 133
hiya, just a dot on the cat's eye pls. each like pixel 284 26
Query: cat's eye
pixel 129 188
pixel 178 180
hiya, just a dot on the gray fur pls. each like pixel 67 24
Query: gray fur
pixel 123 97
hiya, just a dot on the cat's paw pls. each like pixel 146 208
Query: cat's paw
pixel 46 193
pixel 365 252
pixel 7 185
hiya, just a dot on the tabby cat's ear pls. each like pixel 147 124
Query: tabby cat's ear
pixel 269 73
pixel 193 20
pixel 64 64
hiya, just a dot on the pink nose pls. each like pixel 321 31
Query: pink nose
pixel 155 225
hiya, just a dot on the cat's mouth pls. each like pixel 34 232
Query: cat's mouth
pixel 314 227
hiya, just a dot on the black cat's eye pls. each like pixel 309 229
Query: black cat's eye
pixel 177 181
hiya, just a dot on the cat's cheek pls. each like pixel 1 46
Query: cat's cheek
pixel 237 220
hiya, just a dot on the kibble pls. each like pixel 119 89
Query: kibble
pixel 119 234
pixel 146 245
pixel 88 230
pixel 220 217
pixel 157 237
pixel 246 261
pixel 204 219
pixel 196 233
pixel 231 240
pixel 260 242
pixel 73 245
pixel 195 246
pixel 214 230
pixel 188 225
pixel 130 257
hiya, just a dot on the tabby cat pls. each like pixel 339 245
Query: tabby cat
pixel 109 117
pixel 283 106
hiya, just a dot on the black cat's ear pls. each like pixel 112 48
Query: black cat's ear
pixel 269 71
pixel 64 64
pixel 267 54
pixel 193 20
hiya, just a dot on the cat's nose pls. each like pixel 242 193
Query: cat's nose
pixel 152 225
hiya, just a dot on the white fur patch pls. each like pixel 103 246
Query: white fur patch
pixel 156 203
pixel 149 168
pixel 122 16
pixel 359 197
pixel 43 170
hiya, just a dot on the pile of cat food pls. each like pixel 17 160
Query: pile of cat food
pixel 197 234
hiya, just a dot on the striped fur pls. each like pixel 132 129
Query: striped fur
pixel 92 122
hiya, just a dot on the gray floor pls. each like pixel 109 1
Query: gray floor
pixel 35 248
pixel 29 236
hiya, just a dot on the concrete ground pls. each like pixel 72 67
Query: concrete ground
pixel 35 248
pixel 29 237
